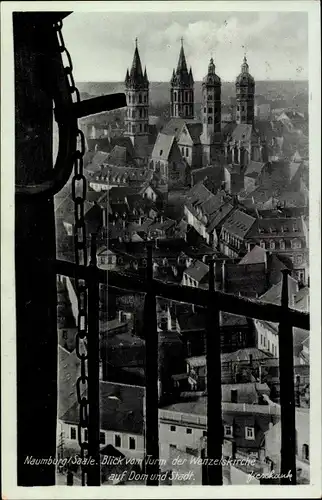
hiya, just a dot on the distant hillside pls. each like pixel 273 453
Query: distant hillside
pixel 289 93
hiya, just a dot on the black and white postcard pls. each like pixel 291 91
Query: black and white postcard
pixel 160 181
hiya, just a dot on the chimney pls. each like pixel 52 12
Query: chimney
pixel 161 219
pixel 140 221
pixel 124 224
pixel 223 275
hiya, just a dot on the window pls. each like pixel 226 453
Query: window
pixel 228 430
pixel 233 395
pixel 262 244
pixel 140 98
pixel 117 441
pixel 249 433
pixel 204 109
pixel 261 339
pixel 85 434
pixel 175 96
pixel 272 245
pixel 298 259
pixel 209 110
pixel 189 431
pixel 182 151
pixel 173 446
pixel 282 245
pixel 161 151
pixel 173 428
pixel 187 152
pixel 132 443
pixel 73 433
pixel 204 433
pixel 210 120
pixel 268 345
pixel 102 438
pixel 264 341
pixel 305 452
pixel 296 244
pixel 273 348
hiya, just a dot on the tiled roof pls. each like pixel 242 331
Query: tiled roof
pixel 274 294
pixel 244 355
pixel 220 215
pixel 256 256
pixel 114 174
pixel 239 223
pixel 211 172
pixel 242 132
pixel 119 157
pixel 98 159
pixel 254 167
pixel 121 408
pixel 175 126
pixel 162 147
pixel 195 130
pixel 69 370
pixel 197 270
pixel 277 227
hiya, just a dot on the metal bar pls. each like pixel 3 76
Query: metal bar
pixel 214 409
pixel 229 303
pixel 98 105
pixel 287 397
pixel 93 472
pixel 35 251
pixel 151 375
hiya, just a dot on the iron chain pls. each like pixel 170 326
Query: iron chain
pixel 80 247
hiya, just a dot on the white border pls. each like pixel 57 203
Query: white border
pixel 9 488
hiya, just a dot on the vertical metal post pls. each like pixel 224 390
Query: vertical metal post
pixel 35 252
pixel 151 375
pixel 214 407
pixel 93 472
pixel 287 398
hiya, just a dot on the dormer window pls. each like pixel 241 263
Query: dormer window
pixel 272 245
pixel 262 244
pixel 282 245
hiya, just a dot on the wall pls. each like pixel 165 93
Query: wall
pixel 179 437
pixel 109 439
pixel 268 336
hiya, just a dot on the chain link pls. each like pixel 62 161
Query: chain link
pixel 80 246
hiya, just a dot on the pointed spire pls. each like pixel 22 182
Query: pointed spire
pixel 190 76
pixel 127 76
pixel 182 64
pixel 136 69
pixel 145 75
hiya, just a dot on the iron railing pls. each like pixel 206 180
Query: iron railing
pixel 213 301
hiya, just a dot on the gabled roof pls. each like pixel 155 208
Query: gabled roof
pixel 239 223
pixel 277 227
pixel 99 158
pixel 119 156
pixel 242 132
pixel 256 256
pixel 274 294
pixel 162 147
pixel 195 130
pixel 220 215
pixel 175 126
pixel 254 167
pixel 244 355
pixel 197 270
pixel 121 408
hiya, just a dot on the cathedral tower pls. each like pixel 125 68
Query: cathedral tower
pixel 245 90
pixel 211 114
pixel 137 113
pixel 182 99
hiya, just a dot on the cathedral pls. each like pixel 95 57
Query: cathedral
pixel 184 143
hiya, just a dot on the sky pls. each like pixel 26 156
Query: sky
pixel 102 43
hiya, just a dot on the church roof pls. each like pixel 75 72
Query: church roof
pixel 162 147
pixel 211 78
pixel 136 77
pixel 242 132
pixel 181 77
pixel 245 78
